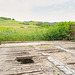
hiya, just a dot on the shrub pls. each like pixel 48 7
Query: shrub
pixel 5 18
pixel 60 31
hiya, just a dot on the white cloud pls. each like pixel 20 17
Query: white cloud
pixel 13 8
pixel 22 10
pixel 70 7
pixel 61 15
pixel 49 2
pixel 45 2
pixel 30 3
pixel 74 1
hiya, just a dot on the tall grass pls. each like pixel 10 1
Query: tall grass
pixel 9 34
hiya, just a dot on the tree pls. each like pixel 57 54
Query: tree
pixel 13 19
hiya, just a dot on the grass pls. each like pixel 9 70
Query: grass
pixel 15 31
pixel 11 30
pixel 20 35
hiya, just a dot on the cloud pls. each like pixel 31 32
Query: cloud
pixel 45 10
pixel 74 1
pixel 15 8
pixel 49 2
pixel 29 3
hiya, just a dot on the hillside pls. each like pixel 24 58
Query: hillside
pixel 39 23
pixel 8 21
pixel 12 30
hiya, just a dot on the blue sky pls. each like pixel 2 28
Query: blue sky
pixel 38 10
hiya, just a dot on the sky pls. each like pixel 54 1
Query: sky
pixel 38 10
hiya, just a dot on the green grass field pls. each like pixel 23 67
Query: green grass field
pixel 11 30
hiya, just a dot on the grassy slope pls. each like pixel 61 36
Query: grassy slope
pixel 11 30
pixel 14 25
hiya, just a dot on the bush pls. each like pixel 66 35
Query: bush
pixel 5 18
pixel 60 31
